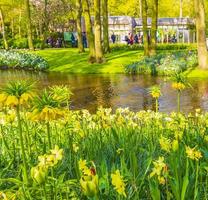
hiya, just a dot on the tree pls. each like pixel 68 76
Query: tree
pixel 90 34
pixel 181 8
pixel 45 27
pixel 79 25
pixel 106 46
pixel 201 35
pixel 153 41
pixel 29 25
pixel 97 29
pixel 3 29
pixel 145 28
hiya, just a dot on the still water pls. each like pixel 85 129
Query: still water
pixel 92 91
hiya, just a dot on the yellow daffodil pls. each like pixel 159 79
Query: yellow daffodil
pixel 193 154
pixel 51 160
pixel 159 170
pixel 165 144
pixel 118 183
pixel 38 174
pixel 161 180
pixel 3 196
pixel 89 185
pixel 42 160
pixel 82 164
pixel 58 153
pixel 75 147
pixel 175 145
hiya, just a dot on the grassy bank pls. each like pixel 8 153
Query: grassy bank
pixel 68 60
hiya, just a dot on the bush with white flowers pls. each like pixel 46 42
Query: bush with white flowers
pixel 22 60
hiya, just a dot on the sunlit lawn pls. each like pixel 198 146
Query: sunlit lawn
pixel 69 60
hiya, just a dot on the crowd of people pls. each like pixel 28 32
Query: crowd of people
pixel 52 42
pixel 58 42
pixel 130 39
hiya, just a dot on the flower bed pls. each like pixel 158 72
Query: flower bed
pixel 21 60
pixel 49 151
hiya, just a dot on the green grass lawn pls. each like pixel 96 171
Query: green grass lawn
pixel 69 60
pixel 198 73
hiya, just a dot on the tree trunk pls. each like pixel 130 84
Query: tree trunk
pixel 145 28
pixel 12 27
pixel 181 8
pixel 201 35
pixel 20 19
pixel 3 30
pixel 140 8
pixel 106 46
pixel 29 26
pixel 79 25
pixel 153 41
pixel 45 27
pixel 89 30
pixel 97 28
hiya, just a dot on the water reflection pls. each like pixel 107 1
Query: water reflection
pixel 91 91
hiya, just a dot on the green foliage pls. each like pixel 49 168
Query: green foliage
pixel 164 64
pixel 177 46
pixel 22 60
pixel 18 43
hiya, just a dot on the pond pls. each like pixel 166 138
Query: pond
pixel 92 91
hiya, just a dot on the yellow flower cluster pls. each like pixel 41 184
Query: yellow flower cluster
pixel 159 170
pixel 12 101
pixel 193 154
pixel 167 145
pixel 155 94
pixel 47 114
pixel 39 172
pixel 178 86
pixel 89 179
pixel 118 183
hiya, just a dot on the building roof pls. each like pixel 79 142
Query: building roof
pixel 124 20
pixel 167 21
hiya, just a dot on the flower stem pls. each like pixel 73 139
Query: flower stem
pixel 156 104
pixel 49 135
pixel 25 175
pixel 178 101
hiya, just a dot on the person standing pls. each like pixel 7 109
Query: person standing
pixel 136 39
pixel 84 39
pixel 73 42
pixel 131 38
pixel 113 38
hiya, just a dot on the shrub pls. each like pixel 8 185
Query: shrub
pixel 17 59
pixel 178 46
pixel 164 64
